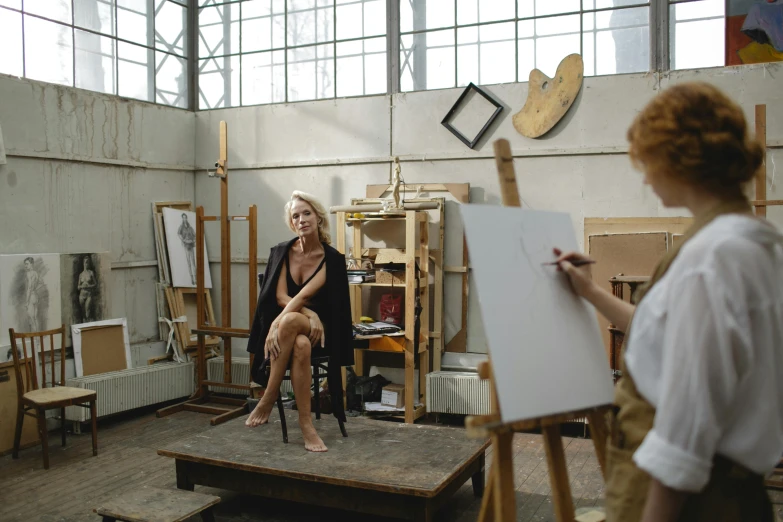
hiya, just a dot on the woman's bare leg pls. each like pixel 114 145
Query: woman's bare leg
pixel 301 377
pixel 260 414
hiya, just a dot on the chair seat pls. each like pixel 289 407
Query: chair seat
pixel 59 395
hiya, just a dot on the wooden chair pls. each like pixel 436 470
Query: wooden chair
pixel 319 372
pixel 34 400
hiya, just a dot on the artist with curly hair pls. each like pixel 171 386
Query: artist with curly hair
pixel 698 416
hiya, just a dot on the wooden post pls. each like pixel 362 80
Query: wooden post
pixel 508 179
pixel 410 305
pixel 225 253
pixel 200 264
pixel 761 175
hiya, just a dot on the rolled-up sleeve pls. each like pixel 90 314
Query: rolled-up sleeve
pixel 703 354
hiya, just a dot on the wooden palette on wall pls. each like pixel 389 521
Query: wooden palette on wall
pixel 548 99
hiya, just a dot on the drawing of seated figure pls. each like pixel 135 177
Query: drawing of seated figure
pixel 87 287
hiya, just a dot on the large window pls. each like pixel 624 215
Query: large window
pixel 444 43
pixel 270 51
pixel 133 48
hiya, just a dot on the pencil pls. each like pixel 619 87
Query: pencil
pixel 576 262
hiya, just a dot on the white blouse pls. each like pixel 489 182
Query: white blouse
pixel 706 350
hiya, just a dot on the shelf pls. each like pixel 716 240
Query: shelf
pixel 422 284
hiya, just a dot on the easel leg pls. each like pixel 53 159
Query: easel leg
pixel 487 513
pixel 599 434
pixel 504 495
pixel 558 474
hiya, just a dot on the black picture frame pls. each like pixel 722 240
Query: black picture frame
pixel 446 120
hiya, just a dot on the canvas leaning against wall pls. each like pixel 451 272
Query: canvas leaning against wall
pixel 29 296
pixel 180 228
pixel 754 31
pixel 85 288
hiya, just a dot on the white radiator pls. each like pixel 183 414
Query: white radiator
pixel 133 388
pixel 457 392
pixel 240 374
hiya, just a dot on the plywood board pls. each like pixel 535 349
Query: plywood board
pixel 626 225
pixel 8 406
pixel 540 367
pixel 626 254
pixel 100 347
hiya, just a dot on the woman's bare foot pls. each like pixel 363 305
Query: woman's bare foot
pixel 312 441
pixel 260 414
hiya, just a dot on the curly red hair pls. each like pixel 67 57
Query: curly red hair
pixel 694 132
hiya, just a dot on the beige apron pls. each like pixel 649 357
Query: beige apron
pixel 733 493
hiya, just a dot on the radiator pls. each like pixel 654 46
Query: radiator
pixel 133 388
pixel 457 392
pixel 240 374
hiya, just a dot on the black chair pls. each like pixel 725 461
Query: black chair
pixel 320 371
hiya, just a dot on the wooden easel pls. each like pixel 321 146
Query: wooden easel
pixel 198 402
pixel 499 502
pixel 760 205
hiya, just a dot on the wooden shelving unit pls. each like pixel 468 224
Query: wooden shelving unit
pixel 416 249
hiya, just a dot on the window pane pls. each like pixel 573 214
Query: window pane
pixel 263 78
pixel 486 54
pixel 530 8
pixel 308 24
pixel 14 4
pixel 218 82
pixel 697 10
pixel 544 43
pixel 219 30
pixel 171 32
pixel 95 57
pixel 53 9
pixel 171 80
pixel 697 43
pixel 48 48
pixel 374 17
pixel 617 41
pixel 473 11
pixel 132 23
pixel 416 15
pixel 603 4
pixel 310 73
pixel 427 60
pixel 133 71
pixel 261 33
pixel 96 15
pixel 349 21
pixel 11 43
pixel 361 67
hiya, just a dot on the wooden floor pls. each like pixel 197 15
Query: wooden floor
pixel 78 482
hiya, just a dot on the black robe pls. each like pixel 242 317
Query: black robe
pixel 337 322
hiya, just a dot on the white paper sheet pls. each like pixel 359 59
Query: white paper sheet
pixel 544 341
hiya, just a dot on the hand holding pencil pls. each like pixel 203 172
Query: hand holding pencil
pixel 577 267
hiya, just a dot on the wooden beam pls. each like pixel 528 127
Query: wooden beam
pixel 761 175
pixel 507 177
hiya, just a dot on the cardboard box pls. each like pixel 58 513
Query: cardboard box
pixel 393 395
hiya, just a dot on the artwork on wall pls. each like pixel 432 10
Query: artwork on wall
pixel 754 31
pixel 29 296
pixel 180 228
pixel 471 115
pixel 85 288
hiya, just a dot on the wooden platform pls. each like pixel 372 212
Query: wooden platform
pixel 386 469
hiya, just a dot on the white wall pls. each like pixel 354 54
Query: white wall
pixel 334 148
pixel 83 169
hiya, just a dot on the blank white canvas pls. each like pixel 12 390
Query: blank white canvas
pixel 181 265
pixel 544 342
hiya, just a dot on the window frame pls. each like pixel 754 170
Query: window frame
pixel 152 49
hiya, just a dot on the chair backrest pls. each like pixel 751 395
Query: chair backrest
pixel 26 353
